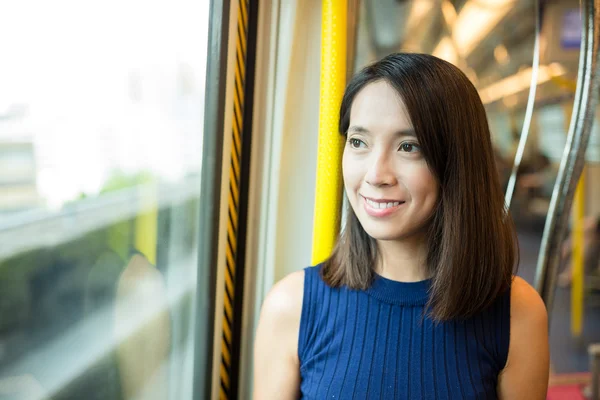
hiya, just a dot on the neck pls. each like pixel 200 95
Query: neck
pixel 403 260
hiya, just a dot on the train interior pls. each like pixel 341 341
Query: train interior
pixel 158 165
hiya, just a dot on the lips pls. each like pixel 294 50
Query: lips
pixel 382 204
pixel 381 207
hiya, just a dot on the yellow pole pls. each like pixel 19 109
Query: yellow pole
pixel 577 289
pixel 333 80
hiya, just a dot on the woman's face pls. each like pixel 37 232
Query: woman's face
pixel 388 183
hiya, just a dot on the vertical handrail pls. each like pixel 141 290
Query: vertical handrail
pixel 535 66
pixel 594 360
pixel 572 162
pixel 577 256
pixel 328 196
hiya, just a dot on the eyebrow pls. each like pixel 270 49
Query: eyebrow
pixel 403 132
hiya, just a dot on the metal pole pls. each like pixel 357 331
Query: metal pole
pixel 594 358
pixel 535 66
pixel 573 157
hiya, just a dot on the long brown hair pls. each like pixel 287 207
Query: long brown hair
pixel 472 247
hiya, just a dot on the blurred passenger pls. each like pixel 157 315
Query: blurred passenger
pixel 534 186
pixel 418 299
pixel 591 251
pixel 536 176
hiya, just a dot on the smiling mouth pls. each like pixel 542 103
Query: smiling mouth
pixel 382 204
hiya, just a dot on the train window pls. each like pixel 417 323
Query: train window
pixel 101 128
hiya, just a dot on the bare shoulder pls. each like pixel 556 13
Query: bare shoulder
pixel 525 375
pixel 279 323
pixel 527 306
pixel 276 363
pixel 528 322
pixel 283 303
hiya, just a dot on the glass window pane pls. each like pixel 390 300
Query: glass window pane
pixel 101 119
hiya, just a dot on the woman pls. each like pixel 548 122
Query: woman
pixel 418 299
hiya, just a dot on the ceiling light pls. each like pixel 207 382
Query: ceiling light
pixel 446 51
pixel 449 13
pixel 419 9
pixel 476 20
pixel 519 81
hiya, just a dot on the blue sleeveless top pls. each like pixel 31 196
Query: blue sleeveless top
pixel 375 344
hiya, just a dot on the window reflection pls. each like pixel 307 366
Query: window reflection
pixel 100 151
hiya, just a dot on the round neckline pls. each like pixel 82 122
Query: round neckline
pixel 400 293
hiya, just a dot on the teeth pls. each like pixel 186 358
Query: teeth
pixel 375 204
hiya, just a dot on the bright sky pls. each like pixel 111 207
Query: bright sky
pixel 75 64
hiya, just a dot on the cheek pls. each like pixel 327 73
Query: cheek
pixel 350 172
pixel 422 184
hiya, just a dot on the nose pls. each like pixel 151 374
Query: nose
pixel 381 171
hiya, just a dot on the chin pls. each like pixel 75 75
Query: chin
pixel 393 233
pixel 385 234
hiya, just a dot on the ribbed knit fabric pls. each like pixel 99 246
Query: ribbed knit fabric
pixel 375 344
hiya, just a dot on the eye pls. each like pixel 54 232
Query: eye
pixel 410 147
pixel 356 143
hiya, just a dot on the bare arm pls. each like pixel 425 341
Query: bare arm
pixel 526 373
pixel 276 363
